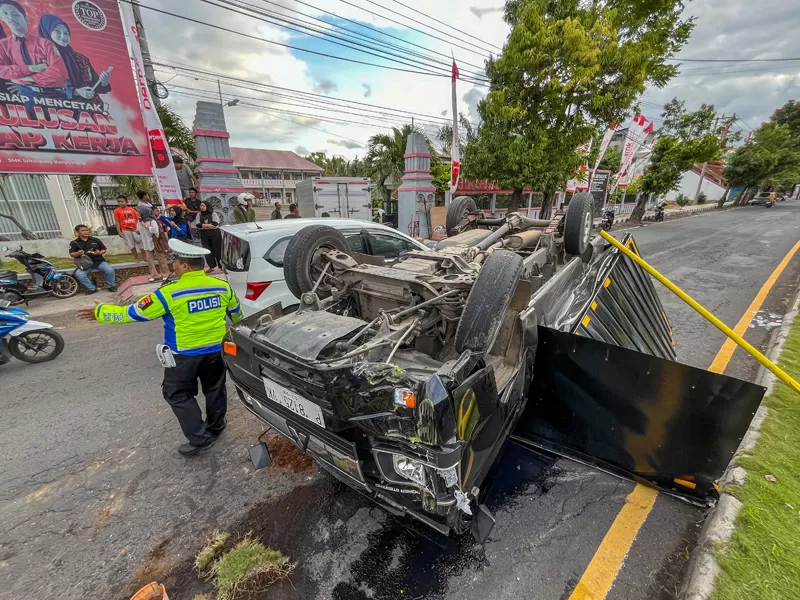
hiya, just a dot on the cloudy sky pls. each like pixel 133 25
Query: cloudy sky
pixel 354 101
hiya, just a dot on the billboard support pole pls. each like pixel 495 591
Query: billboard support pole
pixel 149 73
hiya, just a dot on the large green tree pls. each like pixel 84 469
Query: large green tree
pixel 444 135
pixel 339 166
pixel 789 115
pixel 568 68
pixel 772 158
pixel 685 138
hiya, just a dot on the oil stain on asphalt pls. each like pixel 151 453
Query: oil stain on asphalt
pixel 346 548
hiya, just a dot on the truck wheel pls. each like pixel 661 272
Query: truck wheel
pixel 579 222
pixel 303 262
pixel 457 211
pixel 488 301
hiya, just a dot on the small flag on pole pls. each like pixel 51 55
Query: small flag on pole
pixel 455 153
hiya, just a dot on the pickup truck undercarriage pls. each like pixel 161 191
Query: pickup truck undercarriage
pixel 405 381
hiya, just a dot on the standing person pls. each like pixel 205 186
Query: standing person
pixel 193 309
pixel 161 241
pixel 293 214
pixel 192 204
pixel 94 248
pixel 186 178
pixel 276 214
pixel 25 59
pixel 179 227
pixel 127 220
pixel 82 80
pixel 148 230
pixel 210 236
pixel 243 213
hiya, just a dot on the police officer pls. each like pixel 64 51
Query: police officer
pixel 193 310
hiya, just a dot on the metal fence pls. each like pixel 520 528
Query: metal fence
pixel 27 198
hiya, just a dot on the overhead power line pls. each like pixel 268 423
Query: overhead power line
pixel 423 24
pixel 325 34
pixel 289 46
pixel 316 105
pixel 384 33
pixel 447 25
pixel 733 60
pixel 176 66
pixel 375 39
pixel 449 42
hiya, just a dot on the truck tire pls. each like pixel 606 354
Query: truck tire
pixel 488 301
pixel 579 223
pixel 302 263
pixel 459 208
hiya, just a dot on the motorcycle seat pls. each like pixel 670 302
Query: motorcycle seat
pixel 9 275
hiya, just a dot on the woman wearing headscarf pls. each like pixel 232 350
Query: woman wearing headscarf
pixel 83 82
pixel 210 236
pixel 179 227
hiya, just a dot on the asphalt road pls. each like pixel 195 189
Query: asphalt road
pixel 94 500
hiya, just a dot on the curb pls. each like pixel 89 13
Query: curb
pixel 701 573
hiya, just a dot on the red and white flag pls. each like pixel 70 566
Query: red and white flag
pixel 637 133
pixel 455 153
pixel 603 147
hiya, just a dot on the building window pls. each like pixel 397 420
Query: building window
pixel 273 175
pixel 275 195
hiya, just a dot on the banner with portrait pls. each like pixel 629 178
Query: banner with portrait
pixel 68 98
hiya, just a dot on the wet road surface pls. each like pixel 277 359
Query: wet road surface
pixel 94 498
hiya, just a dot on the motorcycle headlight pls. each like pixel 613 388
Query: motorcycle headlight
pixel 410 469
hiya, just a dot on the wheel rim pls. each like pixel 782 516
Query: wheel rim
pixel 35 345
pixel 587 226
pixel 66 286
pixel 317 266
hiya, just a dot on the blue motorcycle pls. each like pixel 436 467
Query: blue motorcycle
pixel 26 340
pixel 45 278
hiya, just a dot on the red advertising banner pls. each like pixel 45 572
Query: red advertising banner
pixel 68 99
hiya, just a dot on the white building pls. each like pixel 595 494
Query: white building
pixel 713 183
pixel 45 204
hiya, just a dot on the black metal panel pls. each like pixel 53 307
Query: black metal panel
pixel 625 309
pixel 635 414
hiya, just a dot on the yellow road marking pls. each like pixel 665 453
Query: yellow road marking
pixel 601 572
pixel 725 353
pixel 596 581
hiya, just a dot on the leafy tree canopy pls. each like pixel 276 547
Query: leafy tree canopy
pixel 568 68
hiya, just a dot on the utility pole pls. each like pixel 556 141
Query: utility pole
pixel 149 74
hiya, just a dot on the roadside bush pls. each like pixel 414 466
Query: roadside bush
pixel 682 200
pixel 702 198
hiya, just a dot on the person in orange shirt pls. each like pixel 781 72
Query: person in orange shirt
pixel 127 220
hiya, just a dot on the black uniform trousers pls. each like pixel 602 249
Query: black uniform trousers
pixel 180 389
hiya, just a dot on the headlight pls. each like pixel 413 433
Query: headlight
pixel 410 469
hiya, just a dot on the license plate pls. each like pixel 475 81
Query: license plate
pixel 294 402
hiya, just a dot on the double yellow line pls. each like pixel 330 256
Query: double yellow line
pixel 596 581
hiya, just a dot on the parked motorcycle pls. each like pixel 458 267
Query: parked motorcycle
pixel 47 281
pixel 608 220
pixel 26 340
pixel 660 210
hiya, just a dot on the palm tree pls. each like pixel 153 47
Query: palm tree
pixel 444 135
pixel 385 156
pixel 179 137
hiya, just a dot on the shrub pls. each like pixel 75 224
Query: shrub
pixel 702 198
pixel 682 200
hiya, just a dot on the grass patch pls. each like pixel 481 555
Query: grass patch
pixel 762 561
pixel 206 557
pixel 63 263
pixel 247 568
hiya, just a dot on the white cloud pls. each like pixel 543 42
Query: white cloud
pixel 302 151
pixel 725 29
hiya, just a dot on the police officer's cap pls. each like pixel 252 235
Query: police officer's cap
pixel 185 250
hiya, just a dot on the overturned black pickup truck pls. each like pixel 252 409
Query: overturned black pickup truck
pixel 406 380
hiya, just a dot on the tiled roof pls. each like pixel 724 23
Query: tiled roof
pixel 271 160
